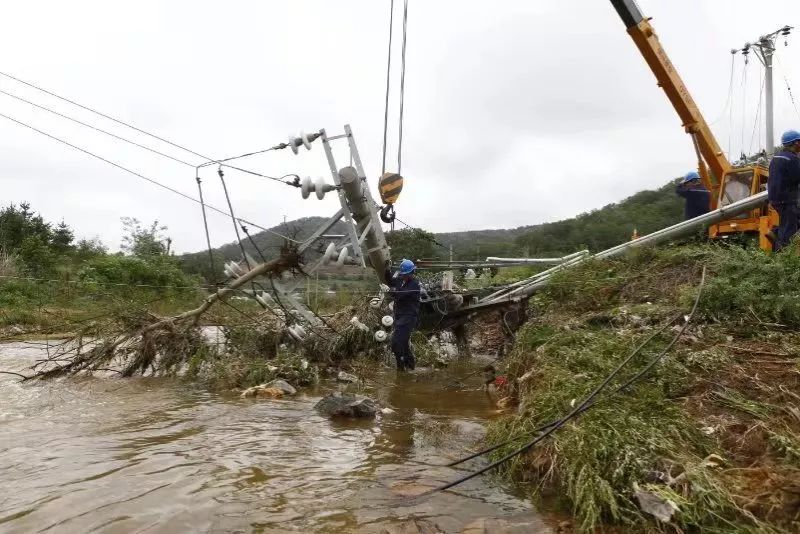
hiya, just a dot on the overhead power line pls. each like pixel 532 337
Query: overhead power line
pixel 109 117
pixel 208 160
pixel 141 176
pixel 95 128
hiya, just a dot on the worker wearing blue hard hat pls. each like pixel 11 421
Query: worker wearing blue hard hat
pixel 405 290
pixel 782 187
pixel 696 196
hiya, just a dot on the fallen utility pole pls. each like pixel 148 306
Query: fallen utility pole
pixel 529 286
pixel 495 263
pixel 526 261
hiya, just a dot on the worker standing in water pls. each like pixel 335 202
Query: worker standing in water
pixel 782 187
pixel 405 290
pixel 697 197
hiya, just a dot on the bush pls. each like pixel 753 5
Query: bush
pixel 754 286
pixel 161 273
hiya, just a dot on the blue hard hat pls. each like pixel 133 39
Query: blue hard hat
pixel 789 137
pixel 407 267
pixel 691 175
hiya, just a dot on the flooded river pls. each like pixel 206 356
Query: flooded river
pixel 156 455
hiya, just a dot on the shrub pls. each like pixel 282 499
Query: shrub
pixel 160 273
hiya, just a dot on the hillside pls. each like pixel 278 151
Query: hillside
pixel 645 211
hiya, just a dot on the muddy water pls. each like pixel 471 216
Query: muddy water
pixel 111 455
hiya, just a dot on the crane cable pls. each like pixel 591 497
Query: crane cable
pixel 402 91
pixel 388 74
pixel 402 88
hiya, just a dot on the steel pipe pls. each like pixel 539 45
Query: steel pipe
pixel 527 287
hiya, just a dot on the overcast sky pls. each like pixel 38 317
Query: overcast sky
pixel 516 112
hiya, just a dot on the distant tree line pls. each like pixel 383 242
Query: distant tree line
pixel 33 247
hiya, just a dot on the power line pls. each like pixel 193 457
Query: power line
pixel 588 401
pixel 95 128
pixel 109 117
pixel 154 136
pixel 757 122
pixel 423 234
pixel 788 87
pixel 139 175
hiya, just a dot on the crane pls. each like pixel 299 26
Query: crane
pixel 726 182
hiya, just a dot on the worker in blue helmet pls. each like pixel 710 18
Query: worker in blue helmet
pixel 696 196
pixel 782 187
pixel 405 290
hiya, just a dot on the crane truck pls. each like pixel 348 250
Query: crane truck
pixel 726 182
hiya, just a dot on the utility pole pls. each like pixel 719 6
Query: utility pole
pixel 764 49
pixel 451 254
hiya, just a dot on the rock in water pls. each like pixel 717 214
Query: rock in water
pixel 413 526
pixel 263 390
pixel 284 386
pixel 270 393
pixel 346 377
pixel 516 524
pixel 346 405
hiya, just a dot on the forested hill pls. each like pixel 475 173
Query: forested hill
pixel 646 211
pixel 599 229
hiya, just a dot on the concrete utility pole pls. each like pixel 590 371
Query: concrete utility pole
pixel 764 49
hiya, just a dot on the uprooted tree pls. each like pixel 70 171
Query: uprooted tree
pixel 140 340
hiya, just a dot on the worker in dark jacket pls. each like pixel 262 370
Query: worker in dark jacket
pixel 405 291
pixel 697 197
pixel 784 177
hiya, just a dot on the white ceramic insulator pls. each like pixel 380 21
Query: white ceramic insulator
pixel 375 303
pixel 300 330
pixel 329 252
pixel 387 321
pixel 304 139
pixel 238 269
pixel 319 187
pixel 381 336
pixel 358 324
pixel 343 254
pixel 293 143
pixel 306 186
pixel 294 333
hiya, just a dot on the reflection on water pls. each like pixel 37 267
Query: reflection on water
pixel 112 455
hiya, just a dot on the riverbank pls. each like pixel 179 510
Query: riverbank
pixel 710 439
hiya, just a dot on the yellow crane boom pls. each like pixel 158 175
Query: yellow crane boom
pixel 726 183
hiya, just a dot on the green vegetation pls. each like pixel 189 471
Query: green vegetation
pixel 599 229
pixel 48 279
pixel 715 428
pixel 645 211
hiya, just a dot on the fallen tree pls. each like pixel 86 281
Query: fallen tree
pixel 138 341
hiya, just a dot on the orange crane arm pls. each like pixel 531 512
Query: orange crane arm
pixel 646 40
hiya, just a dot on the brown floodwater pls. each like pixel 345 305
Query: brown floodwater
pixel 158 455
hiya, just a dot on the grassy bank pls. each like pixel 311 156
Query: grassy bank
pixel 713 432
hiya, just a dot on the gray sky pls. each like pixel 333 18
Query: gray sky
pixel 516 112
